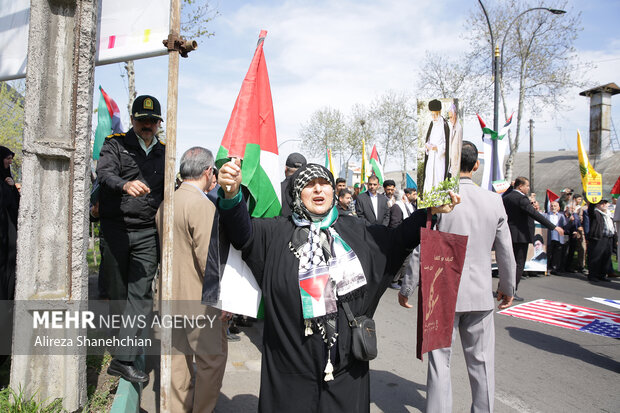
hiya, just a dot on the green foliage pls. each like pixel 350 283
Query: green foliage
pixel 92 267
pixel 440 194
pixel 101 396
pixel 12 121
pixel 18 402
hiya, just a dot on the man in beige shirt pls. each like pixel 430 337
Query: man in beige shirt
pixel 204 341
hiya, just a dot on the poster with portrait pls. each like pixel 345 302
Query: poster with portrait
pixel 440 135
pixel 537 252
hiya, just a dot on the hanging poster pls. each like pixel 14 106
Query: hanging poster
pixel 440 135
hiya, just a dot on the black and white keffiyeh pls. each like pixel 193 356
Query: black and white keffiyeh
pixel 328 268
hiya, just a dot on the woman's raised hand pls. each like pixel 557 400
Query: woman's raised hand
pixel 229 177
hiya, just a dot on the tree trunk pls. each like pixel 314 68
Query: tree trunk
pixel 346 168
pixel 404 178
pixel 131 83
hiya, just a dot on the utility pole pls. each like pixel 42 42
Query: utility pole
pixel 176 46
pixel 532 156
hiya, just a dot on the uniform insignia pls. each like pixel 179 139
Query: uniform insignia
pixel 148 104
pixel 115 134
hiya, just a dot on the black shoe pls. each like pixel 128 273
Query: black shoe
pixel 517 298
pixel 604 279
pixel 593 279
pixel 524 277
pixel 127 371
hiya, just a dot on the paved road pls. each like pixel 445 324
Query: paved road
pixel 539 368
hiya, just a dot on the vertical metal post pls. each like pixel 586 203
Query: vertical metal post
pixel 168 205
pixel 532 156
pixel 494 163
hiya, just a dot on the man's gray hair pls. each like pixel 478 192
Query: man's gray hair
pixel 194 162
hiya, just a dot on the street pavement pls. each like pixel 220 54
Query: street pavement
pixel 539 367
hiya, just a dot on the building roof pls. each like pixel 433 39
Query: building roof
pixel 609 88
pixel 556 170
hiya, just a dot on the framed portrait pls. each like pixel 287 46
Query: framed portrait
pixel 440 136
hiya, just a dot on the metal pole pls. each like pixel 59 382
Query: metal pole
pixel 494 70
pixel 168 205
pixel 495 161
pixel 497 71
pixel 532 156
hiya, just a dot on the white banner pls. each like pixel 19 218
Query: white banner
pixel 126 30
pixel 239 291
pixel 14 19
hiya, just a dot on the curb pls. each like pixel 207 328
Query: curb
pixel 127 398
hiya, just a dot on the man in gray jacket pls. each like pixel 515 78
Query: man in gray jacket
pixel 480 216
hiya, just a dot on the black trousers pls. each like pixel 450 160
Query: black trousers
pixel 129 264
pixel 520 251
pixel 599 256
pixel 555 256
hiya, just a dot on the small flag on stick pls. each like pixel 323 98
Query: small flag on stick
pixel 108 121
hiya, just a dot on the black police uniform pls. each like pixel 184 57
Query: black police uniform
pixel 129 236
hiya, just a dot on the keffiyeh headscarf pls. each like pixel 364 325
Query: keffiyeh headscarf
pixel 329 270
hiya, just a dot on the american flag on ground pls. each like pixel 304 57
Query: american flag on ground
pixel 570 316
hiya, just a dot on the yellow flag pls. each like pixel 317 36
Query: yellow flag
pixel 591 180
pixel 364 170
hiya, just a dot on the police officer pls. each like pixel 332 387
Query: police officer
pixel 131 174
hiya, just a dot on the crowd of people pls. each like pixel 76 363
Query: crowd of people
pixel 353 241
pixel 581 236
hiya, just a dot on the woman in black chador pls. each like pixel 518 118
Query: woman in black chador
pixel 9 204
pixel 308 265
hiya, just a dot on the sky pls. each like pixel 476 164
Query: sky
pixel 341 53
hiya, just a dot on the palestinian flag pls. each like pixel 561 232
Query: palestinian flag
pixel 615 191
pixel 591 180
pixel 329 163
pixel 314 288
pixel 549 198
pixel 488 136
pixel 377 168
pixel 108 121
pixel 251 136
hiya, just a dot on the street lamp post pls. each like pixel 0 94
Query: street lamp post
pixel 288 140
pixel 497 68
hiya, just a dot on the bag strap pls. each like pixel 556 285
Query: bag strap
pixel 349 313
pixel 429 218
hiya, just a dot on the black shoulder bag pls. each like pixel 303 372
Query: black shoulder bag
pixel 363 335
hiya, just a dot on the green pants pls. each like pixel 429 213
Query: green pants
pixel 129 266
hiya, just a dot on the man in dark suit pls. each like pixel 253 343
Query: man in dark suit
pixel 600 242
pixel 521 216
pixel 371 206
